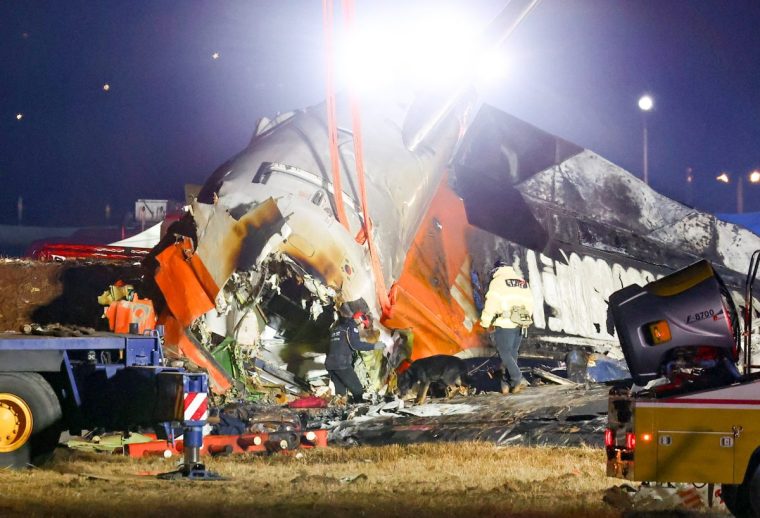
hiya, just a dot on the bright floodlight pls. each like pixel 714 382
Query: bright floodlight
pixel 723 177
pixel 420 53
pixel 754 176
pixel 492 66
pixel 19 116
pixel 646 103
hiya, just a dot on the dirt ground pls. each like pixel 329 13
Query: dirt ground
pixel 63 293
pixel 435 480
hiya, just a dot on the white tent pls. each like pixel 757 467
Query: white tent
pixel 148 238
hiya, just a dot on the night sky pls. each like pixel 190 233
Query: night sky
pixel 173 113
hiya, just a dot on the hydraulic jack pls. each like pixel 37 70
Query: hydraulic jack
pixel 194 419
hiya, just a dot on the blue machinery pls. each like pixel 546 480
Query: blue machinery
pixel 116 382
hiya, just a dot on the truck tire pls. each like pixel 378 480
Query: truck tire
pixel 736 498
pixel 753 491
pixel 30 419
pixel 743 500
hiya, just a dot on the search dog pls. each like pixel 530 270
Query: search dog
pixel 448 370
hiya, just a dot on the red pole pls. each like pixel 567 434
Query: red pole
pixel 332 125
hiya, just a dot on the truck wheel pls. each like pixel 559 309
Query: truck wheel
pixel 743 500
pixel 753 491
pixel 30 419
pixel 736 498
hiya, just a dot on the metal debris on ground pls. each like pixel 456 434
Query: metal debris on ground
pixel 664 498
pixel 109 443
pixel 548 415
pixel 553 378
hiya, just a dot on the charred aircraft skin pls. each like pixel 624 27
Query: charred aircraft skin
pixel 289 160
pixel 574 196
pixel 580 228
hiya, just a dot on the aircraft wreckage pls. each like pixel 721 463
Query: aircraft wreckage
pixel 264 261
pixel 404 219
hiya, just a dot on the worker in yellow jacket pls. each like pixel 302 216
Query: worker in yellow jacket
pixel 509 309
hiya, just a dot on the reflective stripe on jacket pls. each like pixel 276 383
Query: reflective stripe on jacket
pixel 344 340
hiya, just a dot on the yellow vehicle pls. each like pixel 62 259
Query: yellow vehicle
pixel 695 419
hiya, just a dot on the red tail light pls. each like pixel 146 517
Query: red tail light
pixel 609 438
pixel 630 441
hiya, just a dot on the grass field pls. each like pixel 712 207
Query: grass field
pixel 441 480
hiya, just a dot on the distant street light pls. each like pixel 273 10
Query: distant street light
pixel 646 103
pixel 753 177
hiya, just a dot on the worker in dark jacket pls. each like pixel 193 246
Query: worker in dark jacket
pixel 344 340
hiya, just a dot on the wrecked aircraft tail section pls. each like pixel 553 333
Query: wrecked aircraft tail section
pixel 578 228
pixel 271 239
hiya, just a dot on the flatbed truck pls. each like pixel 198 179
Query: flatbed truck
pixel 108 381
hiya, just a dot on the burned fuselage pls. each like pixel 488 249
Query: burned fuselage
pixel 279 266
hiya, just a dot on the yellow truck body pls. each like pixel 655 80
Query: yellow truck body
pixel 700 437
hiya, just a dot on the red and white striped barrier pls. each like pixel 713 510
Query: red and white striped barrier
pixel 196 406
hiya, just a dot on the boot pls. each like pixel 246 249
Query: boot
pixel 518 388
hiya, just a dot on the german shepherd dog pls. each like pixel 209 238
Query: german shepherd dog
pixel 449 370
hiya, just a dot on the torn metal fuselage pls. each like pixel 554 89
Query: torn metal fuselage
pixel 268 236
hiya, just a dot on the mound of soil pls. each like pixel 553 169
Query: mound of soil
pixel 36 292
